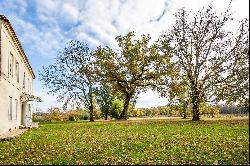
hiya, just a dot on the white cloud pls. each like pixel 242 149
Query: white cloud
pixel 41 42
pixel 150 99
pixel 91 41
pixel 70 12
pixel 97 23
pixel 19 7
pixel 47 6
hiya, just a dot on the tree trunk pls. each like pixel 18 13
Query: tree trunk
pixel 125 107
pixel 91 116
pixel 185 115
pixel 185 111
pixel 196 111
pixel 91 111
pixel 106 115
pixel 196 102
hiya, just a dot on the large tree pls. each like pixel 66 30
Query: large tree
pixel 71 76
pixel 132 68
pixel 208 54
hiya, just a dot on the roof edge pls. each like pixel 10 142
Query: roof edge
pixel 18 44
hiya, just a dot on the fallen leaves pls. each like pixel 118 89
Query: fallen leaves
pixel 127 142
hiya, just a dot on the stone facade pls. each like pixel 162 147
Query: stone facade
pixel 16 80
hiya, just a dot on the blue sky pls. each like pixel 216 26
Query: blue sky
pixel 45 26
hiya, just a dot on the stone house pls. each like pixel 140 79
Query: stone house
pixel 16 80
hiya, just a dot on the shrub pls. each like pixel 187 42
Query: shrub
pixel 72 118
pixel 116 108
pixel 85 117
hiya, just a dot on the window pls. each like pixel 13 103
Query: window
pixel 10 108
pixel 15 116
pixel 17 71
pixel 11 65
pixel 24 80
pixel 28 85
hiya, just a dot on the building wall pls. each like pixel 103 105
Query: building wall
pixel 9 86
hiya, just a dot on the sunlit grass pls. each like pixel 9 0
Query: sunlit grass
pixel 171 141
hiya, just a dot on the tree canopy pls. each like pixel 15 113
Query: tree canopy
pixel 71 77
pixel 207 55
pixel 199 60
pixel 131 69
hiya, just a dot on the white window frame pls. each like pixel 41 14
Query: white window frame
pixel 28 81
pixel 17 71
pixel 10 108
pixel 24 80
pixel 11 59
pixel 16 108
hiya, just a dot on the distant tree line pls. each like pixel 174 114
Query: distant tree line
pixel 196 62
pixel 55 114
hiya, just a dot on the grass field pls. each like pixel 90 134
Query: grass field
pixel 161 141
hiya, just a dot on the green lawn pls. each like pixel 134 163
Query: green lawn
pixel 169 141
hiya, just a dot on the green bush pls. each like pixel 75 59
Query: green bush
pixel 116 108
pixel 72 118
pixel 98 114
pixel 85 117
